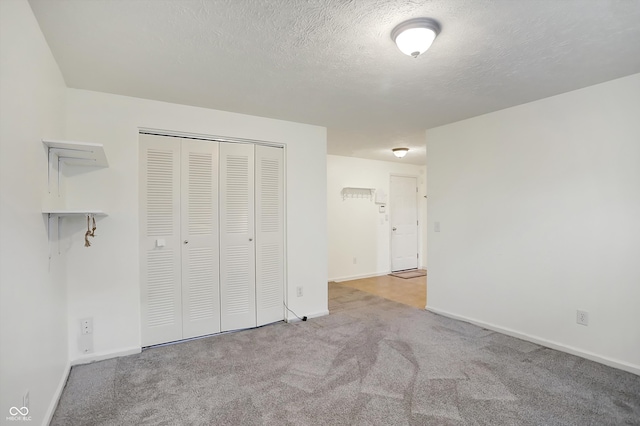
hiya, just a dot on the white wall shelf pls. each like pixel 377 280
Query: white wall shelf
pixel 77 153
pixel 84 154
pixel 75 212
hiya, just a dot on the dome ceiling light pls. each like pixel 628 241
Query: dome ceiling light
pixel 400 152
pixel 414 37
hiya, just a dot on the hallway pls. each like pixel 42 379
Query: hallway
pixel 412 291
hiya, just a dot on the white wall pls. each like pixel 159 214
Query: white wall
pixel 355 227
pixel 103 280
pixel 33 334
pixel 539 207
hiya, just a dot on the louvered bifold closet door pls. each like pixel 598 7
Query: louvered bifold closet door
pixel 269 234
pixel 237 249
pixel 200 288
pixel 160 240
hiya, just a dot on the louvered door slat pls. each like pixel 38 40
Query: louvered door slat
pixel 269 234
pixel 237 250
pixel 160 240
pixel 200 281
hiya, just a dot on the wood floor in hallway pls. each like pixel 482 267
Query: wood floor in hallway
pixel 412 291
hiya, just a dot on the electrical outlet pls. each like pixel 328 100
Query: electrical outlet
pixel 582 317
pixel 25 399
pixel 299 291
pixel 86 326
pixel 85 342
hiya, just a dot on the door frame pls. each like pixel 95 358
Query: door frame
pixel 231 139
pixel 416 177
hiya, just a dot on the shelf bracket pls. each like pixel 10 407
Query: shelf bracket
pixel 49 233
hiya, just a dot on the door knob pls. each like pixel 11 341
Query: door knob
pixel 394 228
pixel 186 241
pixel 250 239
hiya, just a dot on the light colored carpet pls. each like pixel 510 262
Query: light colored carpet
pixel 371 362
pixel 410 274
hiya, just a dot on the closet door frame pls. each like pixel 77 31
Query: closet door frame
pixel 255 142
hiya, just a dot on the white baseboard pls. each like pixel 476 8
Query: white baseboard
pixel 309 316
pixel 621 365
pixel 358 277
pixel 48 416
pixel 105 355
pixel 318 314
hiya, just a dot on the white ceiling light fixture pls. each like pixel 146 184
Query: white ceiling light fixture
pixel 414 37
pixel 400 152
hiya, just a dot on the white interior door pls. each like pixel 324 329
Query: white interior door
pixel 269 234
pixel 161 309
pixel 200 248
pixel 237 237
pixel 404 223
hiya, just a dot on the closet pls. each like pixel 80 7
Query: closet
pixel 211 236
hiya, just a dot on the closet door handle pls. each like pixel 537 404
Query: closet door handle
pixel 186 241
pixel 250 239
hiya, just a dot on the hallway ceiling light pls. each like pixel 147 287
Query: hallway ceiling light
pixel 414 37
pixel 400 152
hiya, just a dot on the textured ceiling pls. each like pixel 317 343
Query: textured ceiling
pixel 332 62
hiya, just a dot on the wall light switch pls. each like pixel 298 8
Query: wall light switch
pixel 160 242
pixel 436 227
